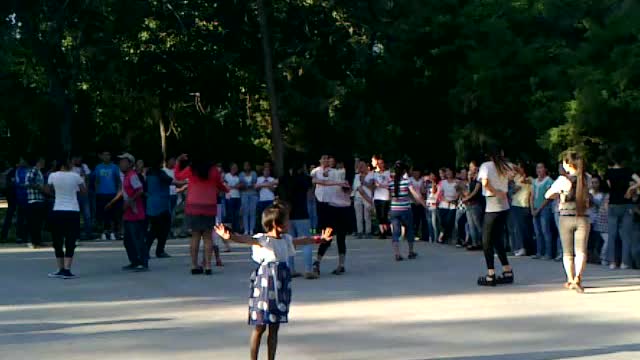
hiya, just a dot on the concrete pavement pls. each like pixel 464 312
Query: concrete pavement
pixel 429 308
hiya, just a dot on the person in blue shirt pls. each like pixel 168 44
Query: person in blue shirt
pixel 107 185
pixel 22 201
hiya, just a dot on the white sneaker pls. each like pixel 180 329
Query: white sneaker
pixel 521 252
pixel 613 266
pixel 113 237
pixel 103 237
pixel 624 267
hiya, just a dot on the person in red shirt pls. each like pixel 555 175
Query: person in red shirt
pixel 204 182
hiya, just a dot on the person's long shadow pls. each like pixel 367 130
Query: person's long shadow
pixel 26 328
pixel 550 355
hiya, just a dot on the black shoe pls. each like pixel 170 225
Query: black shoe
pixel 208 272
pixel 68 275
pixel 338 271
pixel 197 271
pixel 488 280
pixel 412 255
pixel 56 275
pixel 129 267
pixel 141 268
pixel 316 268
pixel 399 258
pixel 382 236
pixel 163 255
pixel 506 278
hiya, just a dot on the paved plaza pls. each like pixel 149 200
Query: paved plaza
pixel 424 309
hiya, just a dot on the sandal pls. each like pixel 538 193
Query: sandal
pixel 338 271
pixel 506 278
pixel 316 268
pixel 399 258
pixel 197 271
pixel 577 285
pixel 488 280
pixel 568 285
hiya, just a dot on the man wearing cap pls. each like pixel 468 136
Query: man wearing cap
pixel 134 216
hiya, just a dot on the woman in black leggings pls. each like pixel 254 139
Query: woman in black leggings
pixel 494 176
pixel 65 218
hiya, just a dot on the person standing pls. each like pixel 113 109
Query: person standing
pixel 573 192
pixel 233 198
pixel 107 184
pixel 401 191
pixel 600 216
pixel 362 199
pixel 521 212
pixel 473 201
pixel 619 178
pixel 10 195
pixel 134 217
pixel 205 181
pixel 381 196
pixel 83 170
pixel 36 207
pixel 419 211
pixel 248 198
pixel 65 185
pixel 266 186
pixel 448 195
pixel 158 209
pixel 293 190
pixel 542 213
pixel 494 176
pixel 432 207
pixel 22 201
pixel 169 169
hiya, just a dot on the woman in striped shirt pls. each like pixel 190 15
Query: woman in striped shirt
pixel 401 215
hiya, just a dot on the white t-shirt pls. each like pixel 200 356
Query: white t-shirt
pixel 368 180
pixel 172 174
pixel 266 193
pixel 272 250
pixel 66 185
pixel 232 181
pixel 488 171
pixel 324 193
pixel 383 179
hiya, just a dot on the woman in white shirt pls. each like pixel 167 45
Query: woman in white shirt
pixel 448 195
pixel 381 195
pixel 494 176
pixel 65 218
pixel 573 193
pixel 233 198
pixel 266 186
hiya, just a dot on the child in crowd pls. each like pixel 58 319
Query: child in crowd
pixel 270 295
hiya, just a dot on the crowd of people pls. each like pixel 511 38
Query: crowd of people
pixel 496 207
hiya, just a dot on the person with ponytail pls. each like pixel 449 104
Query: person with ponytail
pixel 401 191
pixel 494 176
pixel 573 193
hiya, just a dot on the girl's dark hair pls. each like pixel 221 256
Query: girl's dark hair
pixel 201 167
pixel 575 160
pixel 274 216
pixel 496 155
pixel 400 169
pixel 63 163
pixel 604 187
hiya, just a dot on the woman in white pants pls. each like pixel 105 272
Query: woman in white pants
pixel 362 198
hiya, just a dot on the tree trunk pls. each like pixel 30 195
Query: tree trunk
pixel 277 153
pixel 157 114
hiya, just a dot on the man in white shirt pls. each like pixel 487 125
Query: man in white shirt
pixel 363 199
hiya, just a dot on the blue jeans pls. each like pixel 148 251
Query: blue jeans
pixel 620 224
pixel 544 237
pixel 248 201
pixel 233 213
pixel 522 228
pixel 474 219
pixel 85 210
pixel 432 224
pixel 399 219
pixel 262 206
pixel 135 242
pixel 313 213
pixel 301 228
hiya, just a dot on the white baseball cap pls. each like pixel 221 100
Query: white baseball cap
pixel 128 157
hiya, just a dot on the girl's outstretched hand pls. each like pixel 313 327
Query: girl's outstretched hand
pixel 326 234
pixel 222 231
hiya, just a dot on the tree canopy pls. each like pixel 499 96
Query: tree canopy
pixel 428 81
